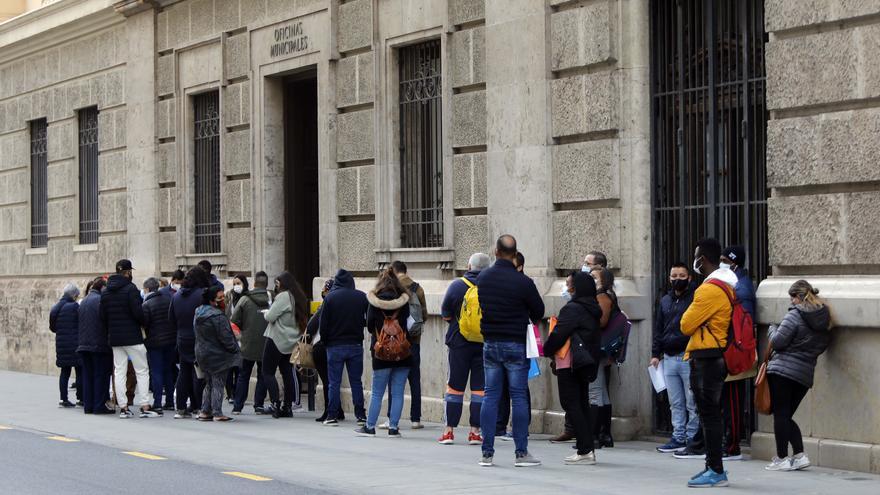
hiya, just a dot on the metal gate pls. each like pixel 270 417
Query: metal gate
pixel 207 172
pixel 39 185
pixel 421 152
pixel 88 175
pixel 708 134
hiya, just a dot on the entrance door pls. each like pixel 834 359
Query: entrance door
pixel 301 178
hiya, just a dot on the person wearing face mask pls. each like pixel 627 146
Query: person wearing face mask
pixel 600 398
pixel 181 314
pixel 707 322
pixel 233 297
pixel 668 345
pixel 123 317
pixel 594 260
pixel 734 394
pixel 287 318
pixel 216 351
pixel 160 341
pixel 176 281
pixel 249 318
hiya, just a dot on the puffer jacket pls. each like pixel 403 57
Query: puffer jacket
pixel 251 322
pixel 798 341
pixel 181 314
pixel 382 305
pixel 707 319
pixel 158 328
pixel 64 323
pixel 216 349
pixel 579 316
pixel 92 333
pixel 667 337
pixel 122 312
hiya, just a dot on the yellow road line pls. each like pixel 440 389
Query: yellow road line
pixel 150 457
pixel 59 438
pixel 247 476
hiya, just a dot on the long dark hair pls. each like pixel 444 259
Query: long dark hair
pixel 388 281
pixel 606 284
pixel 244 285
pixel 286 282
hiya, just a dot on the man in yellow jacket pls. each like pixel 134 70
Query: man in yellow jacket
pixel 706 322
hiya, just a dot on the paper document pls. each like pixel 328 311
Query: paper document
pixel 657 378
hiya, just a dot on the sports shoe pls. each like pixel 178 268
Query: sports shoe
pixel 66 404
pixel 731 456
pixel 417 425
pixel 259 410
pixel 205 417
pixel 363 431
pixel 709 479
pixel 236 412
pixel 394 433
pixel 689 453
pixel 183 414
pixel 778 464
pixel 672 446
pixel 149 413
pixel 361 421
pixel 125 414
pixel 507 436
pixel 564 437
pixel 383 426
pixel 486 461
pixel 448 438
pixel 526 460
pixel 800 461
pixel 586 459
pixel 331 422
pixel 475 439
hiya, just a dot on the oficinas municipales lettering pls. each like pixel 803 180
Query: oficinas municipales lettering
pixel 289 40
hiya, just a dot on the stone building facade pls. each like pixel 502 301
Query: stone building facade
pixel 280 134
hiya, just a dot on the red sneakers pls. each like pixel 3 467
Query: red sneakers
pixel 447 439
pixel 475 439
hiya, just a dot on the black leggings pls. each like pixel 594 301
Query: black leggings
pixel 320 354
pixel 273 360
pixel 785 396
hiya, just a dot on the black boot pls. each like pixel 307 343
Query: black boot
pixel 595 423
pixel 322 417
pixel 276 410
pixel 286 411
pixel 605 435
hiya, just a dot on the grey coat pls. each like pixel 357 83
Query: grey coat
pixel 216 348
pixel 797 343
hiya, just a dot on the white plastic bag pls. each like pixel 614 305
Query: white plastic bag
pixel 532 350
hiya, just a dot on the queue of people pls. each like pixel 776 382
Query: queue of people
pixel 191 342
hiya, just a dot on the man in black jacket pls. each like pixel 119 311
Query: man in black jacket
pixel 343 318
pixel 668 346
pixel 160 342
pixel 123 316
pixel 509 301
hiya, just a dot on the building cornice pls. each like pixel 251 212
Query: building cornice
pixel 131 7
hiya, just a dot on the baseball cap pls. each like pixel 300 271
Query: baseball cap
pixel 736 254
pixel 123 265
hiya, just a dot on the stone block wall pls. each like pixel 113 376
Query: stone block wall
pixel 821 167
pixel 468 127
pixel 355 135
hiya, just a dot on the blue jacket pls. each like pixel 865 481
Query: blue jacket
pixel 344 313
pixel 667 338
pixel 450 309
pixel 156 324
pixel 121 311
pixel 64 323
pixel 508 300
pixel 181 314
pixel 745 291
pixel 92 333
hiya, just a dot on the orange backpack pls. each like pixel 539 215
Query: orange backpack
pixel 391 341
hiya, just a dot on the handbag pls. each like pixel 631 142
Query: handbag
pixel 303 355
pixel 763 403
pixel 580 355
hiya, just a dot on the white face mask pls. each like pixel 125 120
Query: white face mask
pixel 586 269
pixel 238 289
pixel 143 294
pixel 726 266
pixel 566 295
pixel 697 265
pixel 175 286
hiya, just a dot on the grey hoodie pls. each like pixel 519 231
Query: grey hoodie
pixel 798 341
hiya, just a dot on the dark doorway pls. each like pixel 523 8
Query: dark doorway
pixel 301 178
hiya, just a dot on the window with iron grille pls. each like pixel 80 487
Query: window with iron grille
pixel 39 182
pixel 709 123
pixel 207 172
pixel 88 175
pixel 421 153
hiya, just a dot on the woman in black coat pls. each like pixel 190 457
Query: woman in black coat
pixel 579 317
pixel 64 323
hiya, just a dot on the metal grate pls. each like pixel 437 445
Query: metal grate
pixel 88 175
pixel 207 172
pixel 708 130
pixel 421 153
pixel 39 184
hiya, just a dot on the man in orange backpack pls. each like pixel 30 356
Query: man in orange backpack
pixel 707 322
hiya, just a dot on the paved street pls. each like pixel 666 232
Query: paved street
pixel 299 456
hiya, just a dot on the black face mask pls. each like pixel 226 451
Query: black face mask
pixel 680 284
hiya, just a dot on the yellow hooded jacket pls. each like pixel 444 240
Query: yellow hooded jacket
pixel 707 319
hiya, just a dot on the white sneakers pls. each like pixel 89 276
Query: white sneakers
pixel 796 463
pixel 586 459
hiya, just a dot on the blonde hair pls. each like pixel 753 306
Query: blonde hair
pixel 806 293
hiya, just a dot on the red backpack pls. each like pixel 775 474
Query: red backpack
pixel 741 353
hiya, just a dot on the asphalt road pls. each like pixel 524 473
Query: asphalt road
pixel 42 463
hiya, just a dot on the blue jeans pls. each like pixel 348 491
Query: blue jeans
pixel 161 360
pixel 352 357
pixel 395 379
pixel 508 359
pixel 685 421
pixel 415 387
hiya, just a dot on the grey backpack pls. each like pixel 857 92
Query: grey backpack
pixel 415 311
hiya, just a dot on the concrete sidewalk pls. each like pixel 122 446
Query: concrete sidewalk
pixel 303 452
